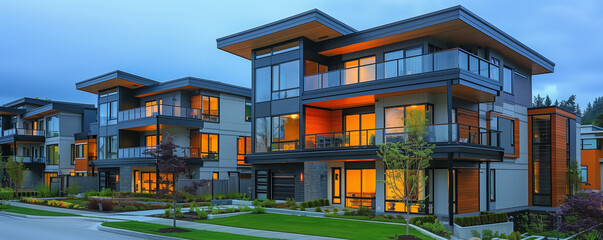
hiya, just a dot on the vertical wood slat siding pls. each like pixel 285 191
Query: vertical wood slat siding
pixel 196 102
pixel 590 158
pixel 468 190
pixel 558 159
pixel 322 121
pixel 530 159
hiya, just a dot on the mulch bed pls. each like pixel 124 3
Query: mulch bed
pixel 173 230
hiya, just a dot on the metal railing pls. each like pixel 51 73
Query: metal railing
pixel 165 110
pixel 441 60
pixel 25 159
pixel 139 152
pixel 22 131
pixel 436 133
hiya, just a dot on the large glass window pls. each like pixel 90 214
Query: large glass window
pixel 508 80
pixel 151 140
pixel 81 151
pixel 393 202
pixel 107 147
pixel 285 132
pixel 359 70
pixel 52 154
pixel 592 144
pixel 285 80
pixel 243 147
pixel 360 187
pixel 394 120
pixel 210 108
pixel 108 113
pixel 209 146
pixel 360 129
pixel 262 134
pixel 107 93
pixel 541 164
pixel 584 173
pixel 52 127
pixel 262 84
pixel 276 50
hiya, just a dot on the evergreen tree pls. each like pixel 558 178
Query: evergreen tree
pixel 538 101
pixel 547 101
pixel 556 103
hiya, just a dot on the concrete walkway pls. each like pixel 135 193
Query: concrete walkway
pixel 186 224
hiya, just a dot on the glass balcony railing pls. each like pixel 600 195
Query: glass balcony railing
pixel 447 59
pixel 139 152
pixel 26 159
pixel 21 131
pixel 437 133
pixel 165 110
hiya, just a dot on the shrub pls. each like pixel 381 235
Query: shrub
pixel 364 211
pixel 317 203
pixel 326 210
pixel 258 210
pixel 244 208
pixel 293 207
pixel 325 202
pixel 475 233
pixel 179 213
pixel 268 204
pixel 311 204
pixel 481 219
pixel 167 213
pixel 487 234
pixel 230 210
pixel 256 202
pixel 436 227
pixel 335 210
pixel 302 208
pixel 131 208
pixel 6 193
pixel 424 219
pixel 220 196
pixel 119 208
pixel 106 193
pixel 88 194
pixel 304 204
pixel 201 214
pixel 291 202
pixel 317 209
pixel 216 211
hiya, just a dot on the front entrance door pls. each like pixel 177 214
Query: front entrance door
pixel 336 181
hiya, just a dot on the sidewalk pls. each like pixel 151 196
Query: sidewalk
pixel 185 224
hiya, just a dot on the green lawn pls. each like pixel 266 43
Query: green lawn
pixel 326 227
pixel 193 234
pixel 531 238
pixel 35 212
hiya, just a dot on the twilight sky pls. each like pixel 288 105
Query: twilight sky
pixel 48 46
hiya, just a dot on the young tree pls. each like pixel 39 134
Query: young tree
pixel 16 172
pixel 405 160
pixel 168 163
pixel 538 101
pixel 574 177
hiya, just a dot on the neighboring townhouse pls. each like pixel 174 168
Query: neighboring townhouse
pixel 208 119
pixel 41 133
pixel 325 95
pixel 592 157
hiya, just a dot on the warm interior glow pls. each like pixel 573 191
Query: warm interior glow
pixel 301 177
pixel 336 185
pixel 360 187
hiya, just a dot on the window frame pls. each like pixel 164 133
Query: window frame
pixel 584 177
pixel 297 143
pixel 512 71
pixel 246 140
pixel 279 91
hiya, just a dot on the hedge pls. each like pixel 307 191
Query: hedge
pixel 424 219
pixel 483 218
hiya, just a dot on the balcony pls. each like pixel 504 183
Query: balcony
pixel 432 62
pixel 138 152
pixel 24 132
pixel 437 134
pixel 165 110
pixel 26 159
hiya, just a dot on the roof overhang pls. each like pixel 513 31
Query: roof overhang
pixel 314 25
pixel 191 83
pixel 456 24
pixel 56 107
pixel 8 111
pixel 114 79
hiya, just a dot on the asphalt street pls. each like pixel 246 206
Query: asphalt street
pixel 61 228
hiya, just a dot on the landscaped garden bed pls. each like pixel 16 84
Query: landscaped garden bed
pixel 34 212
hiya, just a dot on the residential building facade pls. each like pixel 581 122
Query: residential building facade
pixel 592 157
pixel 206 118
pixel 325 95
pixel 40 133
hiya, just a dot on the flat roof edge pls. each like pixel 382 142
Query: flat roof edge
pixel 112 75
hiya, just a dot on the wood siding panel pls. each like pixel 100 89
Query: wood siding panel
pixel 590 158
pixel 322 121
pixel 558 159
pixel 467 117
pixel 468 190
pixel 196 102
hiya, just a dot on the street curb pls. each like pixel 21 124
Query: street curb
pixel 135 234
pixel 47 217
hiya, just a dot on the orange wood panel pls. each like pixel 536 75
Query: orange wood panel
pixel 467 117
pixel 558 159
pixel 196 102
pixel 550 110
pixel 515 132
pixel 337 121
pixel 590 159
pixel 468 190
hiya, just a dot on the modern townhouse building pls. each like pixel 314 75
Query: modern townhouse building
pixel 41 133
pixel 210 120
pixel 325 95
pixel 592 157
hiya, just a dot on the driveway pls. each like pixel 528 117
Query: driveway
pixel 64 228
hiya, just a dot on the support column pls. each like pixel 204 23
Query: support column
pixel 125 179
pixel 488 193
pixel 450 164
pixel 157 142
pixel 380 190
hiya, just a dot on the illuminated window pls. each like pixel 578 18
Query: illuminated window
pixel 393 202
pixel 52 154
pixel 395 117
pixel 204 145
pixel 360 129
pixel 81 151
pixel 336 179
pixel 210 108
pixel 285 132
pixel 151 108
pixel 359 70
pixel 360 187
pixel 151 141
pixel 243 147
pixel 215 175
pixel 48 178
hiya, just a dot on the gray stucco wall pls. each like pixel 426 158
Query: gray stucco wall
pixel 315 180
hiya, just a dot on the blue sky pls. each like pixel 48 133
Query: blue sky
pixel 47 46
